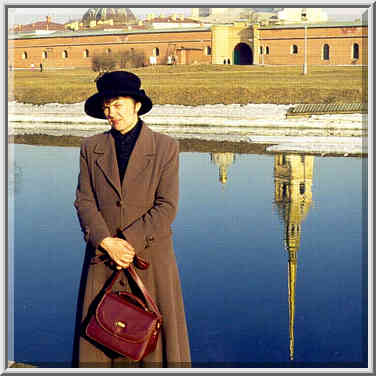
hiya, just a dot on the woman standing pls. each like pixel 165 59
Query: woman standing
pixel 126 200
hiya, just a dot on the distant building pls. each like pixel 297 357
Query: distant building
pixel 39 27
pixel 186 41
pixel 296 15
pixel 104 18
pixel 228 15
pixel 173 21
pixel 115 16
pixel 262 16
pixel 220 15
pixel 200 12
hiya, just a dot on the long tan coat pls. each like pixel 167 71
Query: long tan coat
pixel 142 210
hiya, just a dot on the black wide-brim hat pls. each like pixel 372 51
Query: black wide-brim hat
pixel 116 84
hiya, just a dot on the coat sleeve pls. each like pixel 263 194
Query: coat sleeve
pixel 156 222
pixel 91 220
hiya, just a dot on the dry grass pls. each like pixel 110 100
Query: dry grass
pixel 203 84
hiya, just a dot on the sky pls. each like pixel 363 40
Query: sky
pixel 22 15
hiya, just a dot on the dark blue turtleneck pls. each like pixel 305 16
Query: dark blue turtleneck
pixel 124 144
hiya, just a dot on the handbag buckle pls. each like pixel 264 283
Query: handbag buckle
pixel 120 324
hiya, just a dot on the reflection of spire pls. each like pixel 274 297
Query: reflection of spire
pixel 223 161
pixel 292 280
pixel 293 196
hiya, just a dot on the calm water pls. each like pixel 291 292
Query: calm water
pixel 272 262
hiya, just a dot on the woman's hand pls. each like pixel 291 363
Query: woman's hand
pixel 119 250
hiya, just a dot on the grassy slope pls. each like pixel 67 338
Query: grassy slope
pixel 203 84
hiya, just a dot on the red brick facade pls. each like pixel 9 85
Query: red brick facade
pixel 76 51
pixel 326 45
pixel 40 25
pixel 347 45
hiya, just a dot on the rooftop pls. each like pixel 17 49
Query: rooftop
pixel 83 33
pixel 321 24
pixel 171 20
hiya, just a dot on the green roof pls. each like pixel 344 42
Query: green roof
pixel 69 34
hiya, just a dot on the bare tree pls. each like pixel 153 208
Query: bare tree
pixel 131 59
pixel 102 64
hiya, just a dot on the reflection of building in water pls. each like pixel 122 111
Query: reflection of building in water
pixel 14 177
pixel 293 197
pixel 223 161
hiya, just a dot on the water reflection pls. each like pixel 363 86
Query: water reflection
pixel 293 198
pixel 267 331
pixel 14 178
pixel 223 161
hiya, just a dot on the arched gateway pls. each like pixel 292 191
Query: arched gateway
pixel 243 54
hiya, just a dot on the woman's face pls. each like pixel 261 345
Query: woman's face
pixel 122 113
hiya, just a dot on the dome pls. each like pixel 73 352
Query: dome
pixel 118 15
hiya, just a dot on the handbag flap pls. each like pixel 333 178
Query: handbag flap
pixel 123 319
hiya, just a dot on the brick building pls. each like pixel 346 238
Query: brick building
pixel 75 49
pixel 236 43
pixel 38 26
pixel 327 44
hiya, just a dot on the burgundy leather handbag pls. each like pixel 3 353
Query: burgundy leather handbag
pixel 123 323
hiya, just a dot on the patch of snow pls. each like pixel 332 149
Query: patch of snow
pixel 261 123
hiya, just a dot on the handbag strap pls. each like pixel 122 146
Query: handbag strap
pixel 145 292
pixel 141 286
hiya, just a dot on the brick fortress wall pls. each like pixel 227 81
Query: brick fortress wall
pixel 340 41
pixel 76 51
pixel 189 47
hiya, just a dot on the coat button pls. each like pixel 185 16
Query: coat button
pixel 119 203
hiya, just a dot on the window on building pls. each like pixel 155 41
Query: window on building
pixel 44 54
pixel 108 51
pixel 355 51
pixel 292 228
pixel 284 190
pixel 65 54
pixel 325 52
pixel 261 50
pixel 294 49
pixel 207 50
pixel 156 51
pixel 267 50
pixel 24 55
pixel 86 53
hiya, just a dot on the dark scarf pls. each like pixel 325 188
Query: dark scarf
pixel 124 144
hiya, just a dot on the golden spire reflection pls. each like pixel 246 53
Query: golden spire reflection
pixel 293 198
pixel 223 161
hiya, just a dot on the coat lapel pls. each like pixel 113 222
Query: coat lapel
pixel 142 154
pixel 107 161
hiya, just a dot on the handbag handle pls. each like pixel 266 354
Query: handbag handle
pixel 143 289
pixel 141 286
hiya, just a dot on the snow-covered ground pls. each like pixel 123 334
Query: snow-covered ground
pixel 219 114
pixel 265 123
pixel 321 145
